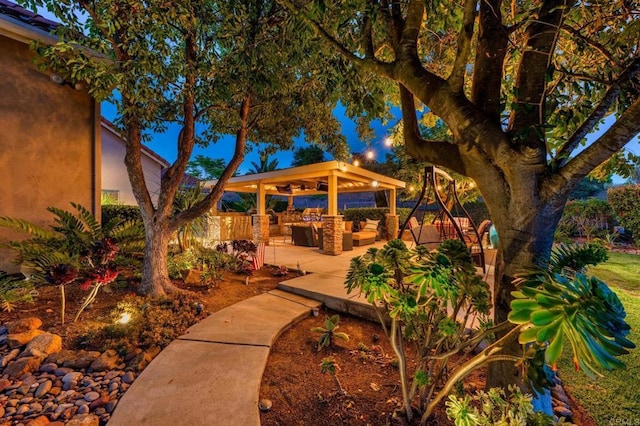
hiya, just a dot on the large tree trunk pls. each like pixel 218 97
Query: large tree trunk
pixel 525 238
pixel 155 276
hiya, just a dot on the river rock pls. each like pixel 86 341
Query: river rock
pixel 49 367
pixel 84 420
pixel 91 396
pixel 139 362
pixel 4 383
pixel 9 357
pixel 43 389
pixel 38 421
pixel 22 366
pixel 24 324
pixel 100 402
pixel 72 376
pixel 43 345
pixel 82 359
pixel 128 377
pixel 108 360
pixel 20 339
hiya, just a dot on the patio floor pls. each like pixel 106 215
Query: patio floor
pixel 326 275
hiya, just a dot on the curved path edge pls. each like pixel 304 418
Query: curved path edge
pixel 212 374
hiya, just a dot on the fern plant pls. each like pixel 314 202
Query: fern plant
pixel 76 249
pixel 14 291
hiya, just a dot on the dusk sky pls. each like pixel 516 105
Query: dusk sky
pixel 166 146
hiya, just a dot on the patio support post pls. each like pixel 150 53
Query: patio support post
pixel 392 201
pixel 332 234
pixel 392 226
pixel 260 228
pixel 332 195
pixel 261 202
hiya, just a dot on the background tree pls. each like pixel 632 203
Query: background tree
pixel 206 168
pixel 307 155
pixel 519 85
pixel 210 67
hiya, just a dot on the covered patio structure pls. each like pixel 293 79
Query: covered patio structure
pixel 328 178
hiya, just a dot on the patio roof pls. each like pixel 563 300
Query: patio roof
pixel 330 177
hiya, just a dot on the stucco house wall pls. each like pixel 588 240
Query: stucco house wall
pixel 49 137
pixel 114 172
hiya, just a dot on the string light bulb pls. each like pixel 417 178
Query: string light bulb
pixel 388 141
pixel 370 155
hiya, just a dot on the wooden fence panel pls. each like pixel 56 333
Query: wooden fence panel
pixel 235 228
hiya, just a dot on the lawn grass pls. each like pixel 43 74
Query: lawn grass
pixel 614 398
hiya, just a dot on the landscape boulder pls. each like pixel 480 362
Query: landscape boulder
pixel 43 345
pixel 108 360
pixel 22 366
pixel 23 324
pixel 20 339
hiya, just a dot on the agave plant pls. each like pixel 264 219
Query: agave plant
pixel 557 304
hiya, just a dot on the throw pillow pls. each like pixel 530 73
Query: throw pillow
pixel 371 225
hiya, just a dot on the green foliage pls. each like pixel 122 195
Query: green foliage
pixel 358 215
pixel 307 155
pixel 623 276
pixel 329 332
pixel 182 261
pixel 154 322
pixel 77 249
pixel 560 304
pixel 113 212
pixel 588 188
pixel 494 407
pixel 589 218
pixel 206 168
pixel 14 291
pixel 624 201
pixel 185 199
pixel 430 300
pixel 329 365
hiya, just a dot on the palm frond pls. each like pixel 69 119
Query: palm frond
pixel 26 227
pixel 89 220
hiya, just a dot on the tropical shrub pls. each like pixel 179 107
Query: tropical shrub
pixel 495 407
pixel 587 218
pixel 624 201
pixel 76 250
pixel 436 301
pixel 185 199
pixel 240 252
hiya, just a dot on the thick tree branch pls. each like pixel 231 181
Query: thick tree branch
pixel 618 135
pixel 598 113
pixel 210 200
pixel 456 79
pixel 368 64
pixel 171 179
pixel 531 81
pixel 408 49
pixel 367 31
pixel 490 53
pixel 437 152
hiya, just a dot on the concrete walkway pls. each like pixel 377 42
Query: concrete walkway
pixel 212 374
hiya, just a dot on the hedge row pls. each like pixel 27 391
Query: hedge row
pixel 625 201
